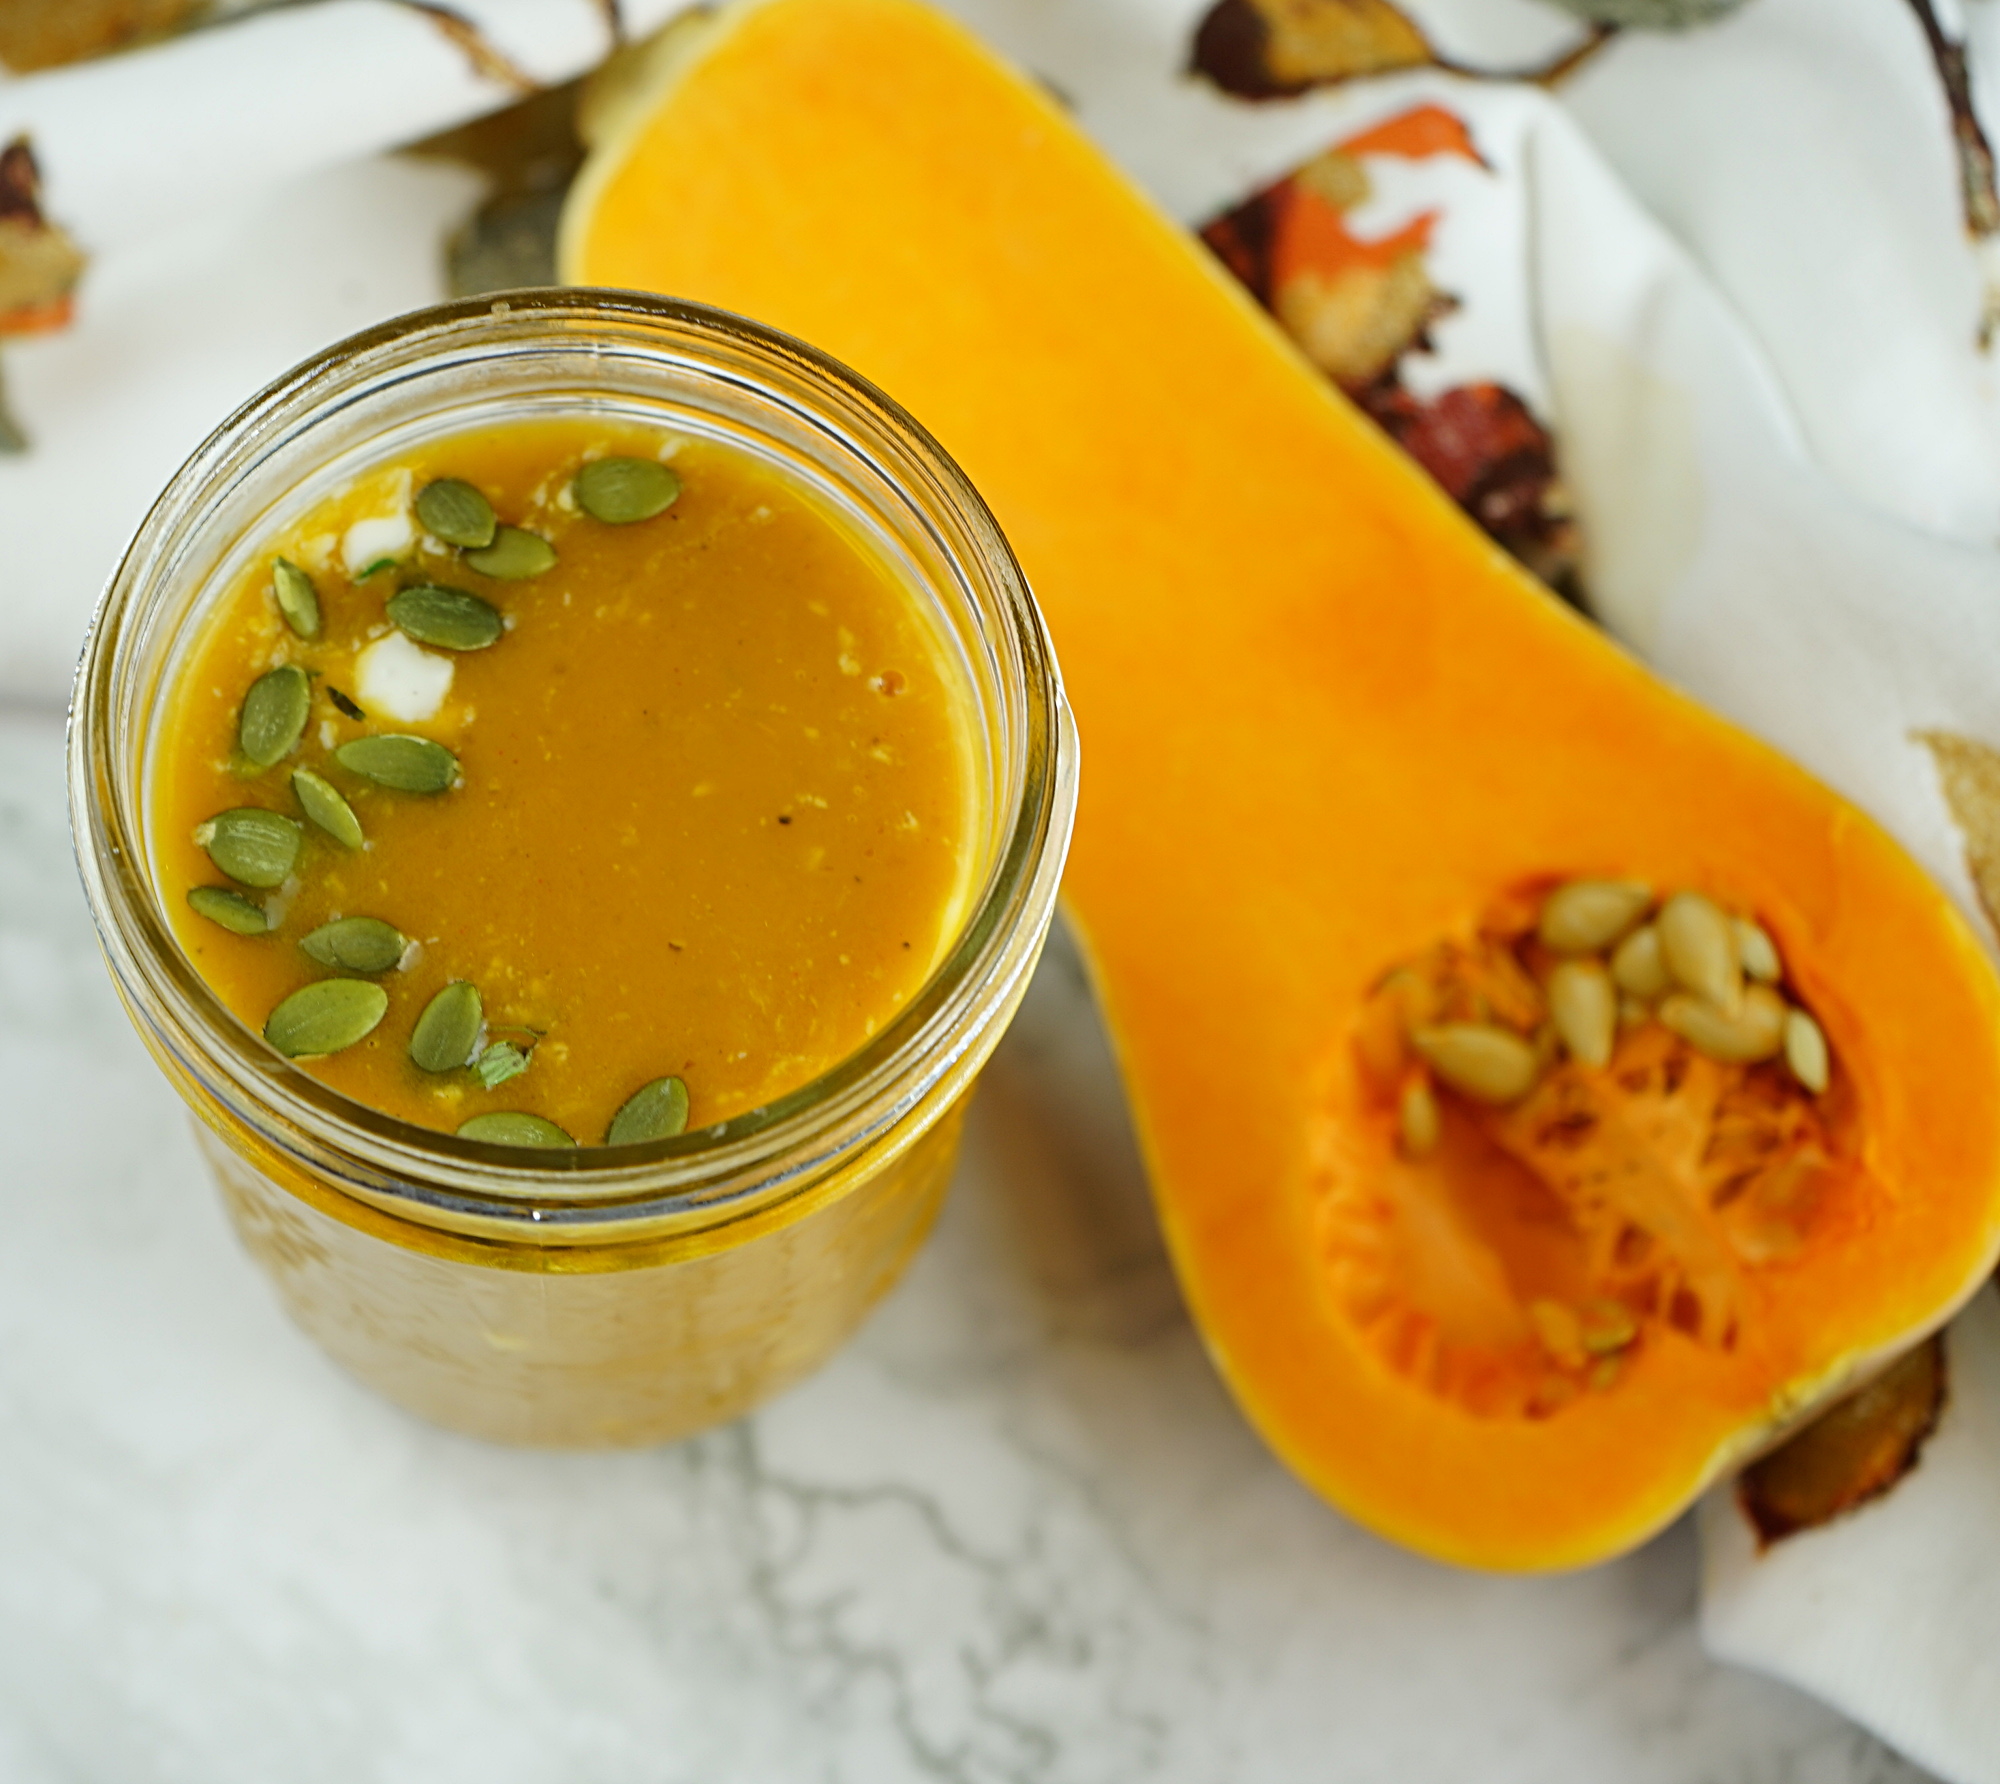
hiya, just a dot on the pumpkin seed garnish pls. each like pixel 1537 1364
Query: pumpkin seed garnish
pixel 501 1061
pixel 1584 1007
pixel 446 617
pixel 1585 915
pixel 514 1127
pixel 619 491
pixel 1805 1051
pixel 237 914
pixel 252 846
pixel 448 1030
pixel 1698 947
pixel 657 1111
pixel 375 569
pixel 320 800
pixel 1756 1031
pixel 356 944
pixel 409 764
pixel 274 714
pixel 1492 1065
pixel 325 1017
pixel 1636 966
pixel 515 553
pixel 346 705
pixel 297 599
pixel 452 510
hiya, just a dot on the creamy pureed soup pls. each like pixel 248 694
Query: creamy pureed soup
pixel 566 781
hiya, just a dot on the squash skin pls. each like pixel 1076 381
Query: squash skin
pixel 1326 722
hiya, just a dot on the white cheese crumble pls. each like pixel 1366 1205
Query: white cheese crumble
pixel 380 536
pixel 394 677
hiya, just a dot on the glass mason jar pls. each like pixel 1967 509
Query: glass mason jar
pixel 595 1296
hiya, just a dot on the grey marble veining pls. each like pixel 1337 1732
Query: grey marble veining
pixel 1016 1534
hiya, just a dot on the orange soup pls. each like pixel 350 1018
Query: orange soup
pixel 567 777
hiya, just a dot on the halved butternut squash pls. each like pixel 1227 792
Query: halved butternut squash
pixel 1332 735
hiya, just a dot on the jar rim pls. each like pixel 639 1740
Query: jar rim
pixel 720 1172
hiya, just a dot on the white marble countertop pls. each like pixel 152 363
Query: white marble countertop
pixel 1016 1532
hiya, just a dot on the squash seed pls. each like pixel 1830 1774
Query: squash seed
pixel 326 1016
pixel 1491 1065
pixel 1636 966
pixel 1698 947
pixel 237 914
pixel 448 1031
pixel 356 944
pixel 297 599
pixel 1805 1051
pixel 447 617
pixel 515 553
pixel 1758 952
pixel 1584 1008
pixel 1756 1031
pixel 619 491
pixel 408 764
pixel 1606 1326
pixel 656 1112
pixel 1585 915
pixel 254 847
pixel 1417 1118
pixel 274 714
pixel 322 803
pixel 452 510
pixel 514 1127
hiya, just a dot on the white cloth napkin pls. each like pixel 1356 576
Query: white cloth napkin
pixel 1782 440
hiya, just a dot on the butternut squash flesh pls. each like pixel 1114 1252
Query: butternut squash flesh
pixel 1326 724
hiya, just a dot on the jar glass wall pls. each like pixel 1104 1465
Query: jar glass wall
pixel 600 1295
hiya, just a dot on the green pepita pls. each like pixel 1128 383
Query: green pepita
pixel 297 599
pixel 501 1061
pixel 514 1127
pixel 656 1112
pixel 448 1030
pixel 1489 1064
pixel 322 803
pixel 325 1017
pixel 274 714
pixel 237 914
pixel 447 617
pixel 356 944
pixel 452 510
pixel 622 490
pixel 409 764
pixel 515 553
pixel 254 847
